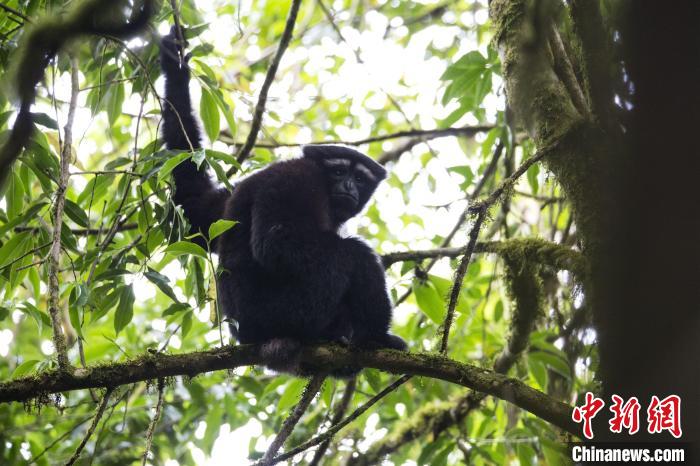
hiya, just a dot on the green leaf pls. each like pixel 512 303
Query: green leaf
pixel 41 318
pixel 14 196
pixel 429 301
pixel 125 309
pixel 24 368
pixel 219 227
pixel 162 282
pixel 374 379
pixel 186 324
pixel 182 248
pixel 76 214
pixel 291 395
pixel 12 249
pixel 532 173
pixel 44 120
pixel 114 103
pixel 220 174
pixel 170 165
pixel 209 113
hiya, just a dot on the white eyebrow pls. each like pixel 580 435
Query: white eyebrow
pixel 336 162
pixel 366 171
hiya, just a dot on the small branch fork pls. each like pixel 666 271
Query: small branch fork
pixel 307 397
pixel 337 417
pixel 328 435
pixel 481 210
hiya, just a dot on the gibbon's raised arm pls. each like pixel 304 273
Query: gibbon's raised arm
pixel 202 201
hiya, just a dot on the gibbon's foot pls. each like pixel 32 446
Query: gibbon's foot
pixel 388 341
pixel 281 354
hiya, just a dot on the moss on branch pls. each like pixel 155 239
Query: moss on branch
pixel 317 357
pixel 530 249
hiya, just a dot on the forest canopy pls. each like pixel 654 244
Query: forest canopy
pixel 506 128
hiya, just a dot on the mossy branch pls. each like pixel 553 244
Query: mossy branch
pixel 533 249
pixel 315 358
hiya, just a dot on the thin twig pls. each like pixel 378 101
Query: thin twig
pixel 91 429
pixel 244 152
pixel 285 431
pixel 28 253
pixel 55 252
pixel 481 209
pixel 78 231
pixel 490 170
pixel 411 133
pixel 17 13
pixel 468 250
pixel 337 417
pixel 327 435
pixel 154 421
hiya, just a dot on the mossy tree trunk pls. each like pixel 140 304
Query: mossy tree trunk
pixel 630 175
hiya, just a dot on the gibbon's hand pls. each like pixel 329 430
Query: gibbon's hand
pixel 172 58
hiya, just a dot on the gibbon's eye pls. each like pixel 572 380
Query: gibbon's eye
pixel 359 178
pixel 339 172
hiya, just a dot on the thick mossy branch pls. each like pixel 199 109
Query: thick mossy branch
pixel 539 99
pixel 320 358
pixel 532 249
pixel 585 155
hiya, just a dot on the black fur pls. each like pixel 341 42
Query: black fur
pixel 289 278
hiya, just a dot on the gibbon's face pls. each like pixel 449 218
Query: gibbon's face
pixel 352 178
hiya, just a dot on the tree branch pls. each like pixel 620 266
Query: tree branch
pixel 467 131
pixel 538 250
pixel 328 435
pixel 244 152
pixel 91 429
pixel 314 358
pixel 54 265
pixel 82 231
pixel 563 68
pixel 481 209
pixel 154 421
pixel 526 291
pixel 17 13
pixel 337 418
pixel 285 431
pixel 39 48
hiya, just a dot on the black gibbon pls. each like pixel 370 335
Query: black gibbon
pixel 288 277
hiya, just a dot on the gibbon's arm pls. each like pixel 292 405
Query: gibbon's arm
pixel 201 199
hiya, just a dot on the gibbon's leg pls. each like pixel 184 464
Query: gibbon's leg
pixel 303 310
pixel 369 307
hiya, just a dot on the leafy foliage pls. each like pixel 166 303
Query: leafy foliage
pixel 131 281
